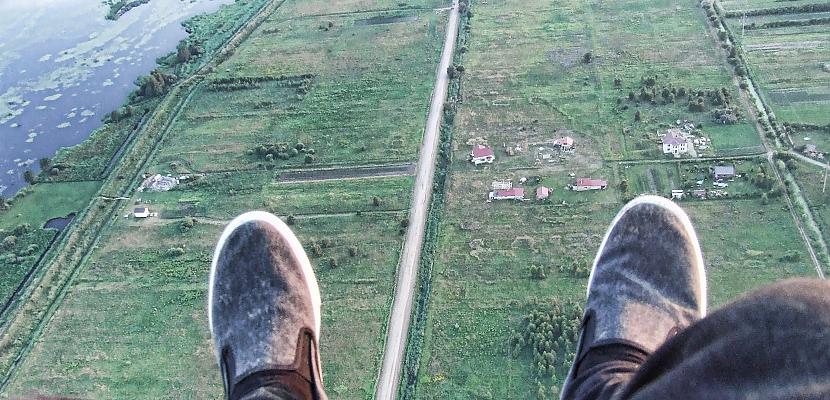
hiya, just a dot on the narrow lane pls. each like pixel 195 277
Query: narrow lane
pixel 398 328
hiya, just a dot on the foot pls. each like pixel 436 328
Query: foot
pixel 264 309
pixel 647 283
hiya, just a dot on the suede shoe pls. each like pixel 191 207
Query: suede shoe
pixel 647 283
pixel 264 310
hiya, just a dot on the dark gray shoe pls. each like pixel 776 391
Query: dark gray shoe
pixel 647 283
pixel 264 310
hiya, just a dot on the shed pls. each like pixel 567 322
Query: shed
pixel 141 212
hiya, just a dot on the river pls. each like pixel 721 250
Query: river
pixel 63 65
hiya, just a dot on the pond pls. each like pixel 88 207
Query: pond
pixel 63 66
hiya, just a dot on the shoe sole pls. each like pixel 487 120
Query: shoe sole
pixel 296 248
pixel 687 226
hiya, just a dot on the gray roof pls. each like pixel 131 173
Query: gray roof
pixel 725 170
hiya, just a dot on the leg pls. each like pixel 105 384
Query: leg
pixel 264 312
pixel 771 344
pixel 647 283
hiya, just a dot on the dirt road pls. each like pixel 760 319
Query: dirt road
pixel 398 328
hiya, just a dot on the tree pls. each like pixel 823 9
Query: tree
pixel 764 199
pixel 291 220
pixel 352 251
pixel 617 82
pixel 623 186
pixel 376 201
pixel 29 177
pixel 45 163
pixel 9 242
pixel 637 116
pixel 631 95
pixel 333 263
pixel 183 53
pixel 587 58
pixel 187 224
pixel 309 158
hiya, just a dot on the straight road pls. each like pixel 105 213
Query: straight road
pixel 398 328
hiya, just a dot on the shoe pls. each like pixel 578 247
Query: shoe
pixel 264 309
pixel 647 283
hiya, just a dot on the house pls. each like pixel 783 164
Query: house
pixel 699 193
pixel 510 194
pixel 674 142
pixel 141 212
pixel 564 143
pixel 677 194
pixel 583 184
pixel 502 185
pixel 542 193
pixel 724 172
pixel 482 155
pixel 811 150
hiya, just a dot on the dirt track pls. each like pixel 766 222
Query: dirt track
pixel 398 328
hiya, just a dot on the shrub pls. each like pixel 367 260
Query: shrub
pixel 175 252
pixel 376 201
pixel 352 251
pixel 537 272
pixel 9 242
pixel 333 263
pixel 187 224
pixel 290 220
pixel 309 158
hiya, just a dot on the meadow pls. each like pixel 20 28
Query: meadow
pixel 527 81
pixel 789 63
pixel 133 321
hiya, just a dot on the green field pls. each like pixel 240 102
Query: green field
pixel 536 89
pixel 323 84
pixel 133 322
pixel 39 203
pixel 364 101
pixel 789 63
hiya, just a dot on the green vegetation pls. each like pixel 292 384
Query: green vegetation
pixel 348 106
pixel 494 261
pixel 787 58
pixel 37 204
pixel 20 249
pixel 547 341
pixel 120 7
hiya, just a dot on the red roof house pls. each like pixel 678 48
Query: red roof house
pixel 542 193
pixel 509 194
pixel 482 154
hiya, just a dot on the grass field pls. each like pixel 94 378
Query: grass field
pixel 789 63
pixel 364 101
pixel 526 83
pixel 137 314
pixel 221 196
pixel 133 322
pixel 48 200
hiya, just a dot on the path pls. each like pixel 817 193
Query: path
pixel 398 328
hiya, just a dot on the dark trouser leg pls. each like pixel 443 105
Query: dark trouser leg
pixel 771 344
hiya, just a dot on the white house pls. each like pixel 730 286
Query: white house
pixel 502 185
pixel 675 143
pixel 482 155
pixel 141 212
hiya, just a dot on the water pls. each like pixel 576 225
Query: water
pixel 63 66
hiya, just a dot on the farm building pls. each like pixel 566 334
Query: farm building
pixel 141 212
pixel 482 155
pixel 564 143
pixel 811 150
pixel 583 184
pixel 724 172
pixel 542 193
pixel 510 194
pixel 502 185
pixel 677 194
pixel 674 142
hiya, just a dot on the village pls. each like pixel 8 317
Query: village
pixel 710 185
